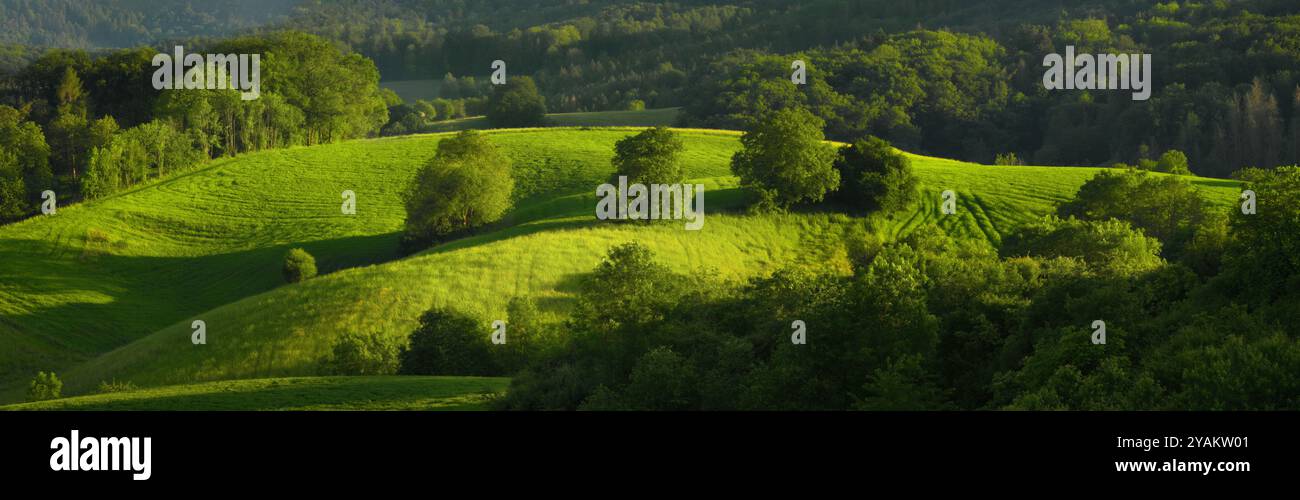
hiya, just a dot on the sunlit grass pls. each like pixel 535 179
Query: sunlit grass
pixel 208 245
pixel 307 393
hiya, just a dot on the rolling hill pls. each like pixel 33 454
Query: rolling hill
pixel 107 290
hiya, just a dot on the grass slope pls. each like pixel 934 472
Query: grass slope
pixel 207 245
pixel 311 393
pixel 98 275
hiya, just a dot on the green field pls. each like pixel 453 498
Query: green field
pixel 302 393
pixel 107 290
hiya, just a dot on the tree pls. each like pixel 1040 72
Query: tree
pixel 1167 208
pixel 1173 162
pixel 443 109
pixel 649 157
pixel 786 160
pixel 13 193
pixel 1110 246
pixel 361 354
pixel 24 164
pixel 298 266
pixel 873 176
pixel 466 185
pixel 447 343
pixel 426 109
pixel 524 335
pixel 44 387
pixel 516 104
pixel 69 131
pixel 1264 254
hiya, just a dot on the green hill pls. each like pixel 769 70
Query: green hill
pixel 303 393
pixel 108 289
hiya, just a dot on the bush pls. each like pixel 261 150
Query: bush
pixel 1173 162
pixel 44 387
pixel 361 354
pixel 873 176
pixel 1008 159
pixel 113 386
pixel 650 157
pixel 298 266
pixel 786 160
pixel 447 343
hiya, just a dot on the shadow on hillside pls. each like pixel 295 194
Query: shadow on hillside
pixel 80 304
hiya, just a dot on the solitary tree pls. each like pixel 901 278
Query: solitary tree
pixel 467 184
pixel 786 160
pixel 650 157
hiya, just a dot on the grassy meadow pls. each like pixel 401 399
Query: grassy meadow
pixel 297 394
pixel 107 290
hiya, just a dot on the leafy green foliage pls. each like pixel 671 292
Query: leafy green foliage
pixel 44 386
pixel 874 176
pixel 785 160
pixel 1107 245
pixel 1263 253
pixel 1173 162
pixel 516 104
pixel 361 354
pixel 24 164
pixel 298 266
pixel 447 343
pixel 1164 207
pixel 468 184
pixel 649 157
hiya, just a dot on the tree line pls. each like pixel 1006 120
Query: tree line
pixel 87 127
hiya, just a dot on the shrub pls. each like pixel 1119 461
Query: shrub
pixel 114 386
pixel 361 354
pixel 44 387
pixel 447 343
pixel 298 266
pixel 1008 159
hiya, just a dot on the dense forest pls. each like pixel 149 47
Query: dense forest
pixel 950 78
